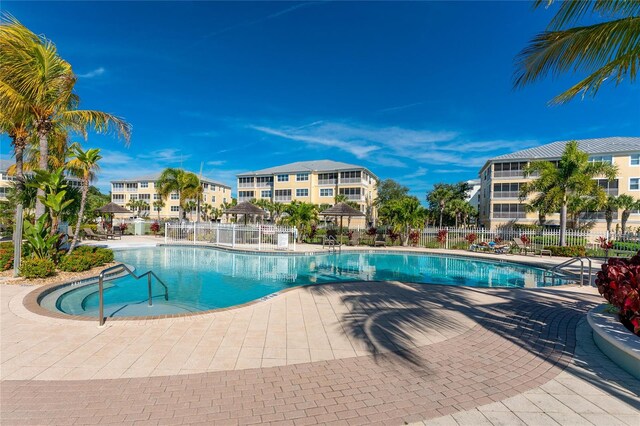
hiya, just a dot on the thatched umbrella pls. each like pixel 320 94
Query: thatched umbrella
pixel 340 210
pixel 111 209
pixel 245 208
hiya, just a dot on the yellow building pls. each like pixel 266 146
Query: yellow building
pixel 501 178
pixel 144 188
pixel 7 180
pixel 317 182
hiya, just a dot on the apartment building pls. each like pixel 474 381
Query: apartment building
pixel 501 178
pixel 317 182
pixel 7 179
pixel 144 188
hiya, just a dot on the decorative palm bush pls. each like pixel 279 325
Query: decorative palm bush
pixel 619 283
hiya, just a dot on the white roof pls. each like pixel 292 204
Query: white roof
pixel 308 166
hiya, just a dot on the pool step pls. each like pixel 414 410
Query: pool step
pixel 142 308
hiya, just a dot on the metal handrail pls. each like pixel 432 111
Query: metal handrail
pixel 124 267
pixel 553 272
pixel 331 242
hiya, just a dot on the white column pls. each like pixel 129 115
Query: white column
pixel 259 237
pixel 194 232
pixel 233 236
pixel 166 232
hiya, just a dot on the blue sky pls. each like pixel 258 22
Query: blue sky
pixel 420 92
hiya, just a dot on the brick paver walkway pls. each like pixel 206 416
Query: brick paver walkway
pixel 521 340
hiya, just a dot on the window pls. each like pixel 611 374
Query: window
pixel 175 208
pixel 327 178
pixel 156 196
pixel 611 188
pixel 117 186
pixel 509 211
pixel 174 196
pixel 118 198
pixel 205 185
pixel 326 192
pixel 351 193
pixel 245 194
pixel 145 197
pixel 283 178
pixel 245 182
pixel 506 190
pixel 509 169
pixel 266 194
pixel 634 160
pixel 350 177
pixel 144 184
pixel 634 184
pixel 302 177
pixel 283 195
pixel 133 197
pixel 132 187
pixel 3 191
pixel 302 192
pixel 213 198
pixel 213 187
pixel 204 197
pixel 601 159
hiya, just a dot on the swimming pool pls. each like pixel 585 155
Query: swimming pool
pixel 201 279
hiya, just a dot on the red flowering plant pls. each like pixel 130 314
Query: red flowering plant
pixel 414 237
pixel 442 236
pixel 471 238
pixel 155 227
pixel 525 239
pixel 372 231
pixel 619 283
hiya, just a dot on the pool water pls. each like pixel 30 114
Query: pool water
pixel 202 278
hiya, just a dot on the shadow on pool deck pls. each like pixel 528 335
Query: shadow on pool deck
pixel 541 321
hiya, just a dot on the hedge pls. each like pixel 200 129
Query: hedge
pixel 567 251
pixel 626 246
pixel 37 268
pixel 84 258
pixel 6 256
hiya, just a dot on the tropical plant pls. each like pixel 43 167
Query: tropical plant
pixel 54 187
pixel 215 213
pixel 573 176
pixel 35 81
pixel 461 210
pixel 618 283
pixel 610 207
pixel 185 184
pixel 158 205
pixel 84 165
pixel 37 268
pixel 301 215
pixel 389 189
pixel 403 215
pixel 40 242
pixel 155 228
pixel 190 206
pixel 443 193
pixel 608 50
pixel 627 204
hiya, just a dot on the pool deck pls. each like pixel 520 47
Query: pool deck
pixel 347 353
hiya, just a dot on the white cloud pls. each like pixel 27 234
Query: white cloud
pixel 420 171
pixel 205 134
pixel 92 74
pixel 216 163
pixel 166 155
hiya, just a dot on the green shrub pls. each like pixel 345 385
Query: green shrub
pixel 37 268
pixel 626 246
pixel 567 251
pixel 554 241
pixel 76 263
pixel 103 256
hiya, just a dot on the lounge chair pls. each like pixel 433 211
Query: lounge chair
pixel 522 247
pixel 88 232
pixel 498 248
pixel 380 240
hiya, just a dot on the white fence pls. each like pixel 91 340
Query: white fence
pixel 254 237
pixel 458 237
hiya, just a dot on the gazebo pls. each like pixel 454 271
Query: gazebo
pixel 341 210
pixel 245 208
pixel 111 209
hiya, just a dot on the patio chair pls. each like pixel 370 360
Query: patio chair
pixel 380 240
pixel 354 240
pixel 88 232
pixel 522 247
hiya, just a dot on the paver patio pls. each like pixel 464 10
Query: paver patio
pixel 349 353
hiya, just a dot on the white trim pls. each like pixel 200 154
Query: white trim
pixel 630 158
pixel 630 179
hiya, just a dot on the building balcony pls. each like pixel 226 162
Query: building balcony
pixel 264 185
pixel 508 174
pixel 508 215
pixel 506 194
pixel 327 181
pixel 282 199
pixel 354 197
pixel 246 185
pixel 352 180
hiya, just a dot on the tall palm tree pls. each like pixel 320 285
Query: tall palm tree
pixel 158 205
pixel 573 176
pixel 35 79
pixel 627 204
pixel 610 206
pixel 403 214
pixel 185 184
pixel 84 165
pixel 608 50
pixel 301 215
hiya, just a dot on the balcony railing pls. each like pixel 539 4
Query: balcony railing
pixel 282 199
pixel 264 184
pixel 246 185
pixel 242 199
pixel 352 180
pixel 506 194
pixel 509 215
pixel 508 174
pixel 354 197
pixel 327 181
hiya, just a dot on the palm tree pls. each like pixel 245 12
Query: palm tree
pixel 440 196
pixel 84 165
pixel 403 215
pixel 573 176
pixel 158 205
pixel 628 204
pixel 610 206
pixel 191 206
pixel 301 215
pixel 185 184
pixel 215 213
pixel 607 50
pixel 35 80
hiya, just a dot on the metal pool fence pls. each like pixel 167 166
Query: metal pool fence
pixel 254 237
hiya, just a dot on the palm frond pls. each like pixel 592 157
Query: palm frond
pixel 570 11
pixel 99 121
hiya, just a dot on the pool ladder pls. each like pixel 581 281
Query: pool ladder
pixel 559 271
pixel 125 268
pixel 331 242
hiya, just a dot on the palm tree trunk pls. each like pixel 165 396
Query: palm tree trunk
pixel 43 164
pixel 563 224
pixel 623 221
pixel 83 200
pixel 441 212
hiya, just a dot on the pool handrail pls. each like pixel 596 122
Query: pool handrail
pixel 558 272
pixel 124 267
